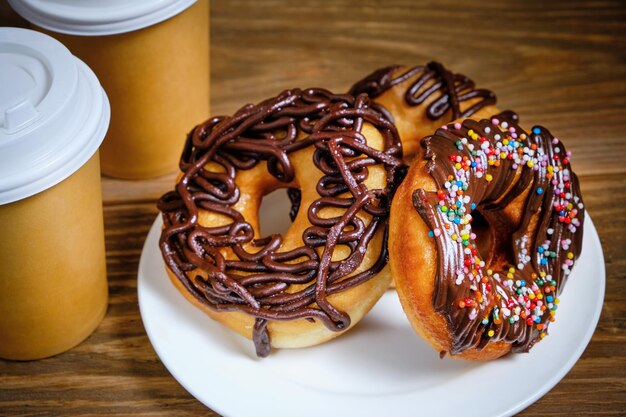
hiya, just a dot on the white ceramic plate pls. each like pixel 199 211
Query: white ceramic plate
pixel 379 368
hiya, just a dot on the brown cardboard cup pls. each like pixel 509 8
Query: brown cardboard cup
pixel 54 115
pixel 157 80
pixel 53 286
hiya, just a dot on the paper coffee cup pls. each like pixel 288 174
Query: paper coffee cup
pixel 53 117
pixel 152 58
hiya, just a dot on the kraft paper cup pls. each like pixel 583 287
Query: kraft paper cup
pixel 53 117
pixel 152 58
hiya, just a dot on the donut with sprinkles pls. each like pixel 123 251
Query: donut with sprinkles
pixel 484 232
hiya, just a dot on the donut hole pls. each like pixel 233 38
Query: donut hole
pixel 274 213
pixel 484 236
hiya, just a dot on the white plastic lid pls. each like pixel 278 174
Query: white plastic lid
pixel 98 17
pixel 53 113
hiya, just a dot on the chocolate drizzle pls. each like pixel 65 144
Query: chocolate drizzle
pixel 512 295
pixel 451 89
pixel 260 280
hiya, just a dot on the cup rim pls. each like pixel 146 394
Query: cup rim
pixel 98 18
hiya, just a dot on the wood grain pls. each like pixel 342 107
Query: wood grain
pixel 561 64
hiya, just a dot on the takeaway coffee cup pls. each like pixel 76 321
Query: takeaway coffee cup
pixel 53 117
pixel 152 58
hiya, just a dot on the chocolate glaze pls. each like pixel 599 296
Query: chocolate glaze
pixel 540 246
pixel 256 282
pixel 451 89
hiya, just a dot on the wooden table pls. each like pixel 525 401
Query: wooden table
pixel 561 64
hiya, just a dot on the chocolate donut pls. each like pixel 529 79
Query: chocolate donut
pixel 480 291
pixel 422 98
pixel 339 159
